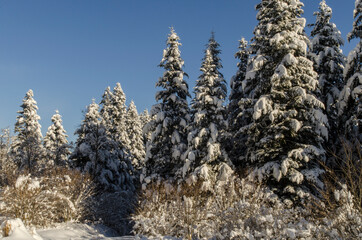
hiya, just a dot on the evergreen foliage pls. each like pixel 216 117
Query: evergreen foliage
pixel 56 143
pixel 289 127
pixel 134 130
pixel 357 24
pixel 350 99
pixel 145 119
pixel 27 148
pixel 328 60
pixel 169 136
pixel 205 146
pixel 98 154
pixel 118 128
pixel 236 116
pixel 107 109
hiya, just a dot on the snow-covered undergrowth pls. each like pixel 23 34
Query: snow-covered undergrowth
pixel 14 229
pixel 56 196
pixel 239 209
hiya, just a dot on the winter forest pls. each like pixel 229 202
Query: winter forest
pixel 278 157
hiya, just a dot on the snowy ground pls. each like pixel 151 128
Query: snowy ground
pixel 66 231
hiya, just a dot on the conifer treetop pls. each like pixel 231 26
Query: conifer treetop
pixel 357 24
pixel 118 93
pixel 57 128
pixel 173 77
pixel 132 109
pixel 27 121
pixel 92 114
pixel 213 47
pixel 119 104
pixel 324 32
pixel 236 81
pixel 324 15
pixel 211 82
pixel 171 55
pixel 328 59
pixel 106 103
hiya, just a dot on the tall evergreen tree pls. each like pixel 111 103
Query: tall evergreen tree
pixel 134 130
pixel 56 143
pixel 107 109
pixel 169 136
pixel 236 116
pixel 350 99
pixel 27 147
pixel 289 127
pixel 328 60
pixel 119 113
pixel 205 148
pixel 98 154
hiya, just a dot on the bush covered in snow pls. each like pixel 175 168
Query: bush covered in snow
pixel 58 195
pixel 238 209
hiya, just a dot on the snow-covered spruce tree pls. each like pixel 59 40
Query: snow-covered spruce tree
pixel 27 148
pixel 98 154
pixel 118 130
pixel 56 143
pixel 145 119
pixel 236 118
pixel 135 135
pixel 206 153
pixel 289 127
pixel 350 99
pixel 328 60
pixel 169 137
pixel 107 109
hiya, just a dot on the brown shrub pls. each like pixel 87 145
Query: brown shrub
pixel 58 195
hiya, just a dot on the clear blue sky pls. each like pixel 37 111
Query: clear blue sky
pixel 69 51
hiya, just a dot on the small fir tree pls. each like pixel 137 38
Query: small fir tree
pixel 145 119
pixel 328 60
pixel 169 136
pixel 134 130
pixel 205 149
pixel 289 127
pixel 236 116
pixel 56 143
pixel 350 99
pixel 97 154
pixel 27 148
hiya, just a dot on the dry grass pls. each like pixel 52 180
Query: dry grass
pixel 183 210
pixel 348 173
pixel 341 198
